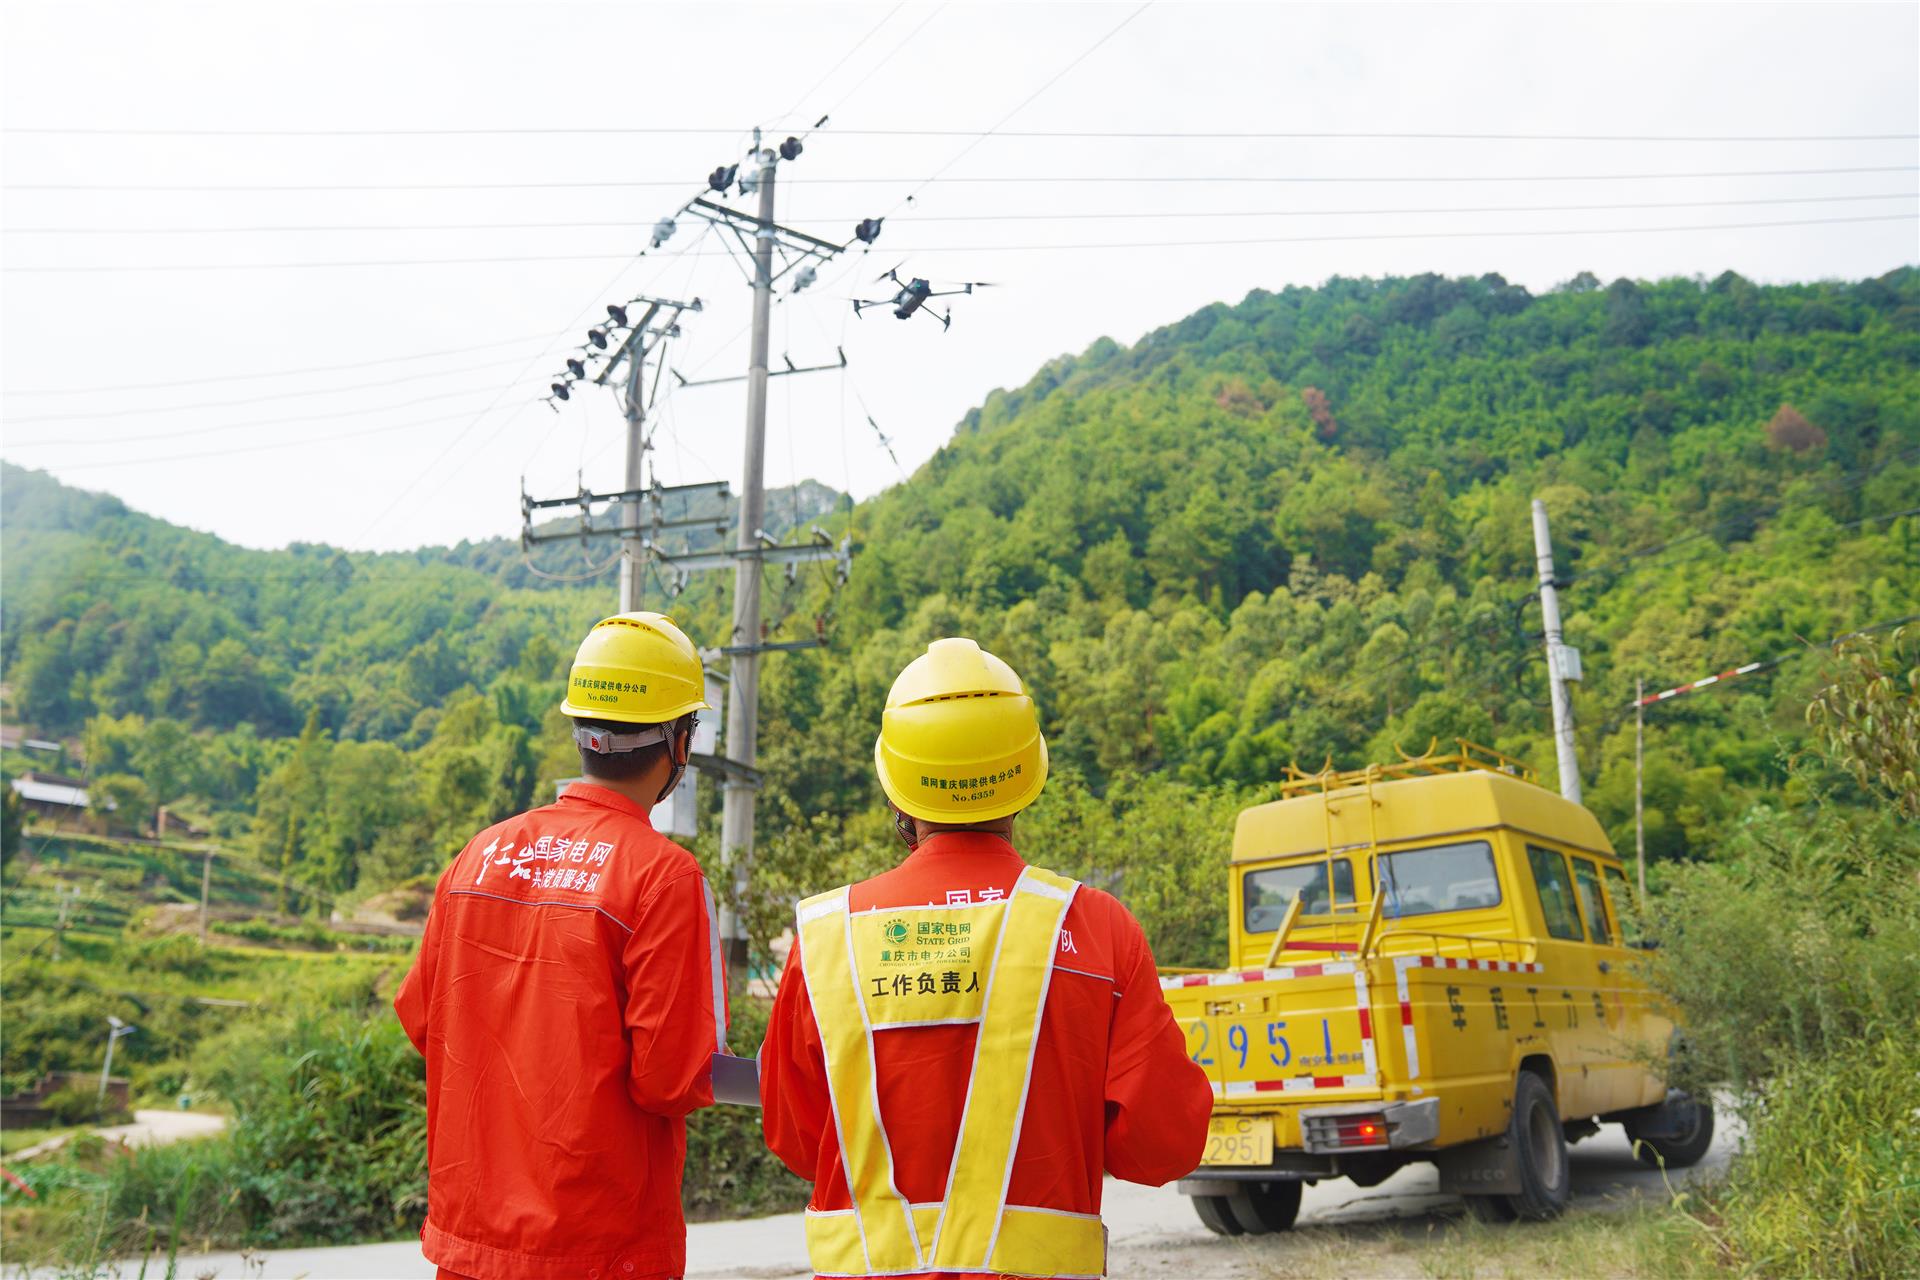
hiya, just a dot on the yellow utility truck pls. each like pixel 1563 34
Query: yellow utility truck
pixel 1427 965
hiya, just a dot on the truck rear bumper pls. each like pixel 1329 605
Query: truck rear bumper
pixel 1407 1124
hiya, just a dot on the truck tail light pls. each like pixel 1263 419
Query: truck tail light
pixel 1355 1132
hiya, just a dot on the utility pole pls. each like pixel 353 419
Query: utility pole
pixel 743 705
pixel 630 561
pixel 206 881
pixel 1639 772
pixel 1563 663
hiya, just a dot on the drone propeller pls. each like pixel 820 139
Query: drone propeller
pixel 892 274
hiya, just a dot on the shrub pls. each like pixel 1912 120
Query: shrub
pixel 1828 1183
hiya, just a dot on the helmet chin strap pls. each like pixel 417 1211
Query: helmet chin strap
pixel 904 827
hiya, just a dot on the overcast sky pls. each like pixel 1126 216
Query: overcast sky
pixel 309 407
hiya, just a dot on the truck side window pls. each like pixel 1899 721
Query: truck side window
pixel 1556 893
pixel 1270 891
pixel 1593 903
pixel 1446 877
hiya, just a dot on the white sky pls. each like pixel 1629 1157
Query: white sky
pixel 448 470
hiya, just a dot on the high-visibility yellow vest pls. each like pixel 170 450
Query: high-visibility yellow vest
pixel 984 963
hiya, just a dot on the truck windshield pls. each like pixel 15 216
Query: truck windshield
pixel 1446 877
pixel 1270 891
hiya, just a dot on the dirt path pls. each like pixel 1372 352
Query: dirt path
pixel 149 1129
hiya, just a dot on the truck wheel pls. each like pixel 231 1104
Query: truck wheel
pixel 1260 1207
pixel 1215 1215
pixel 1681 1150
pixel 1545 1179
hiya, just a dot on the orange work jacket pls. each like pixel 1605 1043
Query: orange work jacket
pixel 1112 1090
pixel 568 998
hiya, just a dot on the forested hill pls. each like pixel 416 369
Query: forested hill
pixel 1291 528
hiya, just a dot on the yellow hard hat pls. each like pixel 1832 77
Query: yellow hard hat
pixel 635 668
pixel 960 739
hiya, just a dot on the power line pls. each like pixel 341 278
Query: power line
pixel 1071 246
pixel 1232 135
pixel 277 373
pixel 1022 105
pixel 1092 215
pixel 827 75
pixel 147 410
pixel 1238 178
pixel 184 433
pixel 95 464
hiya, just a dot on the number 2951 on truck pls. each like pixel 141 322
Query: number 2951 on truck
pixel 1427 965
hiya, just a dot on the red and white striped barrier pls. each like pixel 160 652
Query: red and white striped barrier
pixel 1231 977
pixel 1403 963
pixel 1677 690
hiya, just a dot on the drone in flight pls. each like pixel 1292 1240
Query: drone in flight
pixel 914 294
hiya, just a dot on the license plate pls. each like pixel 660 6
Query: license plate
pixel 1239 1140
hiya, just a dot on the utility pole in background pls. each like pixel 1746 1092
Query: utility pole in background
pixel 206 881
pixel 743 704
pixel 1639 770
pixel 1563 662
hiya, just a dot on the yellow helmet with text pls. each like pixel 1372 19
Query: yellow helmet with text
pixel 635 668
pixel 960 739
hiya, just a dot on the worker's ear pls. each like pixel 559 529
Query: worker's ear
pixel 682 744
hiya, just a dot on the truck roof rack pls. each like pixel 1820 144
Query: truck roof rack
pixel 1466 757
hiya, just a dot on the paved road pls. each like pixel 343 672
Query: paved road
pixel 1153 1231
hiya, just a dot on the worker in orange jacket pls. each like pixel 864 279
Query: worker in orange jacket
pixel 569 997
pixel 962 1046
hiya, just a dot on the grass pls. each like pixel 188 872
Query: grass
pixel 1637 1240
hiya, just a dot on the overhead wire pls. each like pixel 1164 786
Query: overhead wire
pixel 1089 215
pixel 828 74
pixel 1289 135
pixel 149 410
pixel 98 463
pixel 188 432
pixel 940 176
pixel 1059 247
pixel 273 373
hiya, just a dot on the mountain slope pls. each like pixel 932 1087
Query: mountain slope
pixel 1288 529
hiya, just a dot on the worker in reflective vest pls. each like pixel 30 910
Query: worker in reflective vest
pixel 569 997
pixel 963 1046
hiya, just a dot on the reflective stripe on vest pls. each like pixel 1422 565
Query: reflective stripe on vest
pixel 988 964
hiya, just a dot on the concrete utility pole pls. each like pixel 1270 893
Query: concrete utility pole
pixel 1563 663
pixel 1639 770
pixel 743 706
pixel 206 881
pixel 632 563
